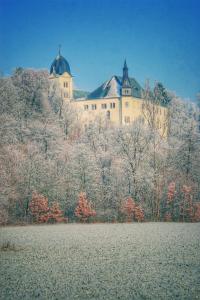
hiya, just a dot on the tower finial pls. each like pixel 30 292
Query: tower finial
pixel 59 48
pixel 125 64
pixel 125 78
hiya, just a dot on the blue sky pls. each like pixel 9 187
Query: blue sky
pixel 159 39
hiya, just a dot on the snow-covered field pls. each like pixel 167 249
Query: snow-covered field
pixel 101 261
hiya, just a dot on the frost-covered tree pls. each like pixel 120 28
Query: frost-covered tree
pixel 45 149
pixel 161 94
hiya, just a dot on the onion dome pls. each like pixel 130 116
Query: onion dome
pixel 60 66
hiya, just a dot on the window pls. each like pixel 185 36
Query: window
pixel 127 119
pixel 127 104
pixel 108 115
pixel 94 106
pixel 112 105
pixel 126 92
pixel 65 95
pixel 86 107
pixel 104 106
pixel 65 84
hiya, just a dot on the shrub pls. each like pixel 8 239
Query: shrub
pixel 132 211
pixel 196 216
pixel 39 208
pixel 8 246
pixel 139 213
pixel 56 214
pixel 3 216
pixel 83 210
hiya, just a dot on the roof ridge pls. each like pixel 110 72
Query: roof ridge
pixel 108 90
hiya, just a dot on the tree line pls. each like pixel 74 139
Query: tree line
pixel 124 173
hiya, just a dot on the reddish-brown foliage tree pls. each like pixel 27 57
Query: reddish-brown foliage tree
pixel 189 211
pixel 168 216
pixel 196 215
pixel 128 208
pixel 83 210
pixel 39 207
pixel 56 213
pixel 186 207
pixel 132 211
pixel 139 214
pixel 171 192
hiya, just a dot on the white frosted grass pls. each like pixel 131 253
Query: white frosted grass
pixel 101 261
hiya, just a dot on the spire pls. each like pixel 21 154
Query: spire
pixel 59 48
pixel 125 78
pixel 125 65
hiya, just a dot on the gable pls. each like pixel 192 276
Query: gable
pixel 112 89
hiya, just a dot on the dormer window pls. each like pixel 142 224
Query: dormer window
pixel 65 84
pixel 126 91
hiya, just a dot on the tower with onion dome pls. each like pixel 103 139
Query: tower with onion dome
pixel 60 73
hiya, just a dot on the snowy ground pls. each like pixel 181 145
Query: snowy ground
pixel 103 261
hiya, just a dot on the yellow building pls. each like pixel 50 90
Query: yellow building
pixel 118 100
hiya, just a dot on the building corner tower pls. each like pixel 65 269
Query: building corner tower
pixel 60 73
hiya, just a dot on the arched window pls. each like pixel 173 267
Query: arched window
pixel 108 115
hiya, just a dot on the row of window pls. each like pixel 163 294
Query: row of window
pixel 103 106
pixel 127 92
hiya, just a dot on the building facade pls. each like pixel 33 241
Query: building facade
pixel 118 100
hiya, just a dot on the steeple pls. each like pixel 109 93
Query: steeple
pixel 126 84
pixel 125 78
pixel 59 48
